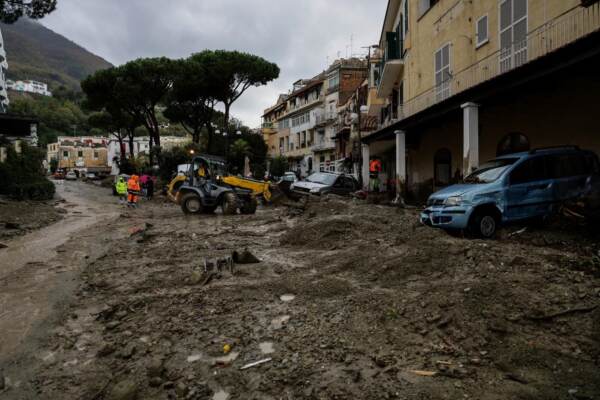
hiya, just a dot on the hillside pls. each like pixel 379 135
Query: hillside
pixel 36 52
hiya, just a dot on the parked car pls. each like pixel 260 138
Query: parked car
pixel 71 176
pixel 321 183
pixel 513 188
pixel 58 175
pixel 285 183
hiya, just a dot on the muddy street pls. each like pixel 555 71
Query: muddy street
pixel 348 301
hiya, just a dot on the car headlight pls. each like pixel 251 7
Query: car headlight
pixel 315 190
pixel 292 186
pixel 453 201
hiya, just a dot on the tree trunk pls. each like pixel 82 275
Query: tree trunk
pixel 131 143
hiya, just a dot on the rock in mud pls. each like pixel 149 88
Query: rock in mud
pixel 181 389
pixel 128 351
pixel 124 390
pixel 244 257
pixel 106 349
pixel 155 368
pixel 155 381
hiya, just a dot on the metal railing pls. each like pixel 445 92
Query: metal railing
pixel 553 35
pixel 325 145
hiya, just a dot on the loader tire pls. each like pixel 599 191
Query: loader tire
pixel 229 204
pixel 191 203
pixel 250 206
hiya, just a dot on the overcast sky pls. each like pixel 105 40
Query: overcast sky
pixel 298 35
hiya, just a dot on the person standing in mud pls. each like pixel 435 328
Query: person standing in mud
pixel 150 188
pixel 121 189
pixel 133 189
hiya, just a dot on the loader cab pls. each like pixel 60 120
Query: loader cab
pixel 206 168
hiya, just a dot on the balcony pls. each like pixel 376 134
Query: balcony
pixel 392 65
pixel 555 34
pixel 324 119
pixel 323 146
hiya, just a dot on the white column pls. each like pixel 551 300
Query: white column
pixel 366 157
pixel 400 158
pixel 470 137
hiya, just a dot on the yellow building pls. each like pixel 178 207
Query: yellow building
pixel 464 81
pixel 82 154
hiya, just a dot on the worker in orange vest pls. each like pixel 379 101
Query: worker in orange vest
pixel 133 190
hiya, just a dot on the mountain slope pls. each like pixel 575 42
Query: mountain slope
pixel 36 52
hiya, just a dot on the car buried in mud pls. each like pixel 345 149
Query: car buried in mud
pixel 321 183
pixel 512 188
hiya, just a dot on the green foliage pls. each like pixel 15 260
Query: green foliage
pixel 22 175
pixel 35 52
pixel 279 166
pixel 231 73
pixel 56 117
pixel 12 10
pixel 170 159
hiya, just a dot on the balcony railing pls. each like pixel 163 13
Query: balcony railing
pixel 268 125
pixel 546 39
pixel 326 117
pixel 323 146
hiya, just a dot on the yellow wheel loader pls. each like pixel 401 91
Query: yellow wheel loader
pixel 260 189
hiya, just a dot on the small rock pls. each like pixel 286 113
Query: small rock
pixel 155 381
pixel 106 350
pixel 155 368
pixel 128 351
pixel 181 389
pixel 168 385
pixel 112 325
pixel 124 390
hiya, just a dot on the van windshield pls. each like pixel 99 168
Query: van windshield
pixel 490 171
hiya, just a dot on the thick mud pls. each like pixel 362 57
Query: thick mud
pixel 349 301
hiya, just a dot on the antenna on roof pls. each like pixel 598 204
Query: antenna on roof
pixel 351 44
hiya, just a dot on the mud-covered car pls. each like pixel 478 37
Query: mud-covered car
pixel 321 183
pixel 512 188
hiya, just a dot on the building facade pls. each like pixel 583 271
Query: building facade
pixel 305 124
pixel 464 81
pixel 81 154
pixel 3 84
pixel 29 86
pixel 141 147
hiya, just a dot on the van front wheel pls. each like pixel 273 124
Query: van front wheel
pixel 484 225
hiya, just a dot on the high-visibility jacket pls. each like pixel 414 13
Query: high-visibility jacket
pixel 133 185
pixel 375 166
pixel 121 186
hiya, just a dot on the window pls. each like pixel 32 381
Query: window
pixel 425 5
pixel 65 155
pixel 482 31
pixel 533 170
pixel 405 17
pixel 96 155
pixel 442 72
pixel 514 142
pixel 568 165
pixel 442 167
pixel 513 34
pixel 80 153
pixel 334 81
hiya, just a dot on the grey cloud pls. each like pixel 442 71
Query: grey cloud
pixel 298 35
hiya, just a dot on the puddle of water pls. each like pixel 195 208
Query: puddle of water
pixel 194 358
pixel 267 347
pixel 221 395
pixel 279 322
pixel 287 298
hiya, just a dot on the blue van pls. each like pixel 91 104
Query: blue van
pixel 512 188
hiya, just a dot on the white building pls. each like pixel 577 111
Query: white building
pixel 29 86
pixel 141 146
pixel 3 68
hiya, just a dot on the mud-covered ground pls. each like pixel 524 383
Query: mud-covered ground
pixel 349 301
pixel 20 217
